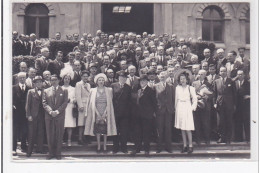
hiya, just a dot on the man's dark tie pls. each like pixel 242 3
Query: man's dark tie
pixel 54 95
pixel 23 88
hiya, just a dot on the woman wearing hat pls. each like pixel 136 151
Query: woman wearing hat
pixel 100 118
pixel 185 104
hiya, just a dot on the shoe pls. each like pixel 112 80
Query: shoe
pixel 133 153
pixel 125 151
pixel 115 151
pixel 28 154
pixel 147 154
pixel 14 153
pixel 69 143
pixel 24 150
pixel 169 150
pixel 158 151
pixel 80 142
pixel 190 150
pixel 98 151
pixel 41 152
pixel 184 149
pixel 58 157
pixel 49 157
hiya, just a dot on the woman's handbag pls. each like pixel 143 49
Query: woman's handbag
pixel 75 111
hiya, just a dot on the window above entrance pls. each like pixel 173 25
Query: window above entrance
pixel 122 9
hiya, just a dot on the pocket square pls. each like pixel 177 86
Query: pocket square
pixel 60 94
pixel 229 85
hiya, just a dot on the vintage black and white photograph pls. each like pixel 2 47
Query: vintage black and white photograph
pixel 130 81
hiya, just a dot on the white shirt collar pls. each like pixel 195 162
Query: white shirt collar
pixel 144 87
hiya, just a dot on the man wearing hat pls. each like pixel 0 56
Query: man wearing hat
pixel 153 79
pixel 35 116
pixel 55 100
pixel 121 103
pixel 93 72
pixel 146 107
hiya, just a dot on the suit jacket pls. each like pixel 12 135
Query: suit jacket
pixel 27 48
pixel 41 65
pixel 187 57
pixel 243 105
pixel 34 105
pixel 183 64
pixel 161 62
pixel 224 93
pixel 146 103
pixel 55 67
pixel 76 79
pixel 46 84
pixel 210 60
pixel 221 63
pixel 121 99
pixel 49 103
pixel 104 69
pixel 232 72
pixel 110 81
pixel 34 47
pixel 15 47
pixel 19 101
pixel 82 93
pixel 165 98
pixel 211 78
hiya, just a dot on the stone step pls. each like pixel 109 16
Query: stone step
pixel 234 150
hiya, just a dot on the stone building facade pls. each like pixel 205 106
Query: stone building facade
pixel 227 24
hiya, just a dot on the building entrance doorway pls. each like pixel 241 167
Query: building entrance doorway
pixel 132 17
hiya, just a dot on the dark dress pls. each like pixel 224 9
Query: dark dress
pixel 100 126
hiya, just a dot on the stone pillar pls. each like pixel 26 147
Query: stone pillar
pixel 158 19
pixel 198 27
pixel 52 25
pixel 20 23
pixel 167 18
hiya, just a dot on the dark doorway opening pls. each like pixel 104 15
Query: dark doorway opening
pixel 127 17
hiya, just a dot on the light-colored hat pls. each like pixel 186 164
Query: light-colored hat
pixel 99 76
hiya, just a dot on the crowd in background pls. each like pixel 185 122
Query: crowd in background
pixel 138 88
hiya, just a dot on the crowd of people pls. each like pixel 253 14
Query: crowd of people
pixel 138 88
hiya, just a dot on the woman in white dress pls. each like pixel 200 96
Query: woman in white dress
pixel 185 104
pixel 70 121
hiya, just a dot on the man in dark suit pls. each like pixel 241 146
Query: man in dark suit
pixel 55 100
pixel 23 68
pixel 107 64
pixel 161 58
pixel 121 103
pixel 146 108
pixel 35 116
pixel 77 73
pixel 46 79
pixel 224 102
pixel 20 45
pixel 27 45
pixel 41 63
pixel 165 95
pixel 208 58
pixel 56 65
pixel 20 91
pixel 110 78
pixel 15 43
pixel 202 114
pixel 232 65
pixel 180 61
pixel 242 114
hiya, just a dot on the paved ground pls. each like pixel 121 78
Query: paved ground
pixel 235 151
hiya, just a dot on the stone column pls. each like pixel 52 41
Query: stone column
pixel 20 23
pixel 52 24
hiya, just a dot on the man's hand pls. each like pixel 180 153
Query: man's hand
pixel 81 109
pixel 54 114
pixel 30 118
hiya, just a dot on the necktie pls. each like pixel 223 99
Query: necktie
pixel 22 87
pixel 54 91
